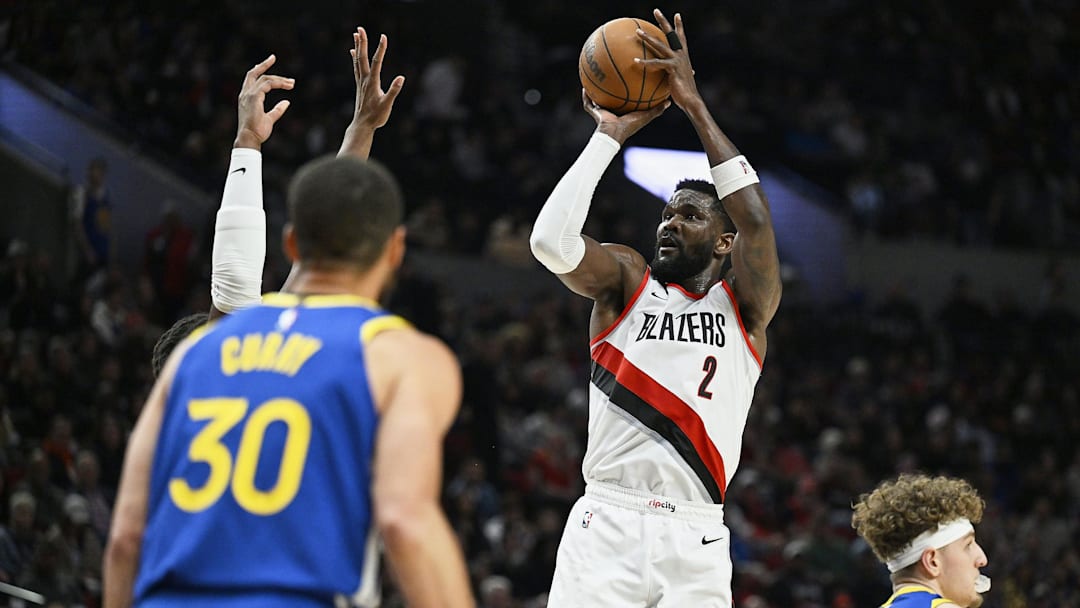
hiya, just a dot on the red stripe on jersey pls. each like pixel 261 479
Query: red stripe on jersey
pixel 742 328
pixel 667 403
pixel 626 309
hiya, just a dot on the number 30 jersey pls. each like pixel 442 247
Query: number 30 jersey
pixel 260 490
pixel 672 382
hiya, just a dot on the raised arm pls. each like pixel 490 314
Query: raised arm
pixel 605 273
pixel 754 259
pixel 373 105
pixel 417 403
pixel 240 230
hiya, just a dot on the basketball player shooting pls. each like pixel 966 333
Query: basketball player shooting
pixel 676 352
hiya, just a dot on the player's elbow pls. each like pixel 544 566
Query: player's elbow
pixel 554 254
pixel 542 248
pixel 124 545
pixel 403 523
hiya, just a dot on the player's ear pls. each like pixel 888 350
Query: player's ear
pixel 724 243
pixel 288 244
pixel 395 247
pixel 931 561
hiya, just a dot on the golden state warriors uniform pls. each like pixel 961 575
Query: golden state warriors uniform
pixel 915 596
pixel 260 492
pixel 672 383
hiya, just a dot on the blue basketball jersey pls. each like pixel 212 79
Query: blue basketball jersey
pixel 915 596
pixel 260 489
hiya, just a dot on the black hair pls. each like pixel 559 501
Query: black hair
pixel 706 188
pixel 173 336
pixel 343 210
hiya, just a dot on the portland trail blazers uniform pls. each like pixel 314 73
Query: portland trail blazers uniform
pixel 672 383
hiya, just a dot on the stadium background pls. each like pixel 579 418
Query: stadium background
pixel 936 144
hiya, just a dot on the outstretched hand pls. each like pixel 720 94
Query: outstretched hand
pixel 373 105
pixel 617 127
pixel 255 123
pixel 676 62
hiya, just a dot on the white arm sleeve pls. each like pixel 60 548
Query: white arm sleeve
pixel 556 237
pixel 239 235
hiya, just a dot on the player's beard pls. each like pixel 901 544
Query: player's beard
pixel 688 262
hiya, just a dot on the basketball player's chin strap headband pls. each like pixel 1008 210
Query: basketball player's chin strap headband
pixel 937 538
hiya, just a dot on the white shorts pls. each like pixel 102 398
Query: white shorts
pixel 626 549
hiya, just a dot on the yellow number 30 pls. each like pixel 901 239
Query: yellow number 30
pixel 224 414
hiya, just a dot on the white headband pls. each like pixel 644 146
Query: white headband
pixel 931 539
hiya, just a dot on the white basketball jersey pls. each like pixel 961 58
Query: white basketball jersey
pixel 672 382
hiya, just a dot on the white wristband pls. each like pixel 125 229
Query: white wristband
pixel 733 175
pixel 239 235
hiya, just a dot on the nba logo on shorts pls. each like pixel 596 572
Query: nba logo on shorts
pixel 585 520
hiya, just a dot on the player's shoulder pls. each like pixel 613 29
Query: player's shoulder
pixel 408 343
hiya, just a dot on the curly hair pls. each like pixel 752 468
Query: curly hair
pixel 173 336
pixel 891 516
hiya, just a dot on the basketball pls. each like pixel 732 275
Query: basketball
pixel 608 72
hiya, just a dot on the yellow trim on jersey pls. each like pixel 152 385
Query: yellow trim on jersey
pixel 200 331
pixel 317 301
pixel 941 601
pixel 373 327
pixel 909 589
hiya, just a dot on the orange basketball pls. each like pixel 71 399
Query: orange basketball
pixel 608 72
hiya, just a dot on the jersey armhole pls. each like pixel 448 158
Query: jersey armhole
pixel 375 326
pixel 742 328
pixel 626 309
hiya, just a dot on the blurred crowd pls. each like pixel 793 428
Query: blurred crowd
pixel 850 394
pixel 919 122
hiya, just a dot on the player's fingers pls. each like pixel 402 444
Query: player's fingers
pixel 591 107
pixel 380 53
pixel 663 64
pixel 661 20
pixel 267 83
pixel 680 32
pixel 362 52
pixel 259 69
pixel 656 45
pixel 278 110
pixel 395 87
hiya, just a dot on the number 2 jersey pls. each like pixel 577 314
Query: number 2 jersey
pixel 260 491
pixel 672 382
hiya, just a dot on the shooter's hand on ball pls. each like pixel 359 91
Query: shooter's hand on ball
pixel 373 105
pixel 620 128
pixel 674 59
pixel 256 124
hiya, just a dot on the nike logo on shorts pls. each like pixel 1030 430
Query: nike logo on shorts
pixel 242 170
pixel 710 541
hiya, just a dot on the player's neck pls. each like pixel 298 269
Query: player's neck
pixel 308 280
pixel 699 283
pixel 908 581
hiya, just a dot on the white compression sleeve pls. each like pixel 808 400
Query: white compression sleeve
pixel 239 235
pixel 556 237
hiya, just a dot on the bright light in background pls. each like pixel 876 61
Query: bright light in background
pixel 657 170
